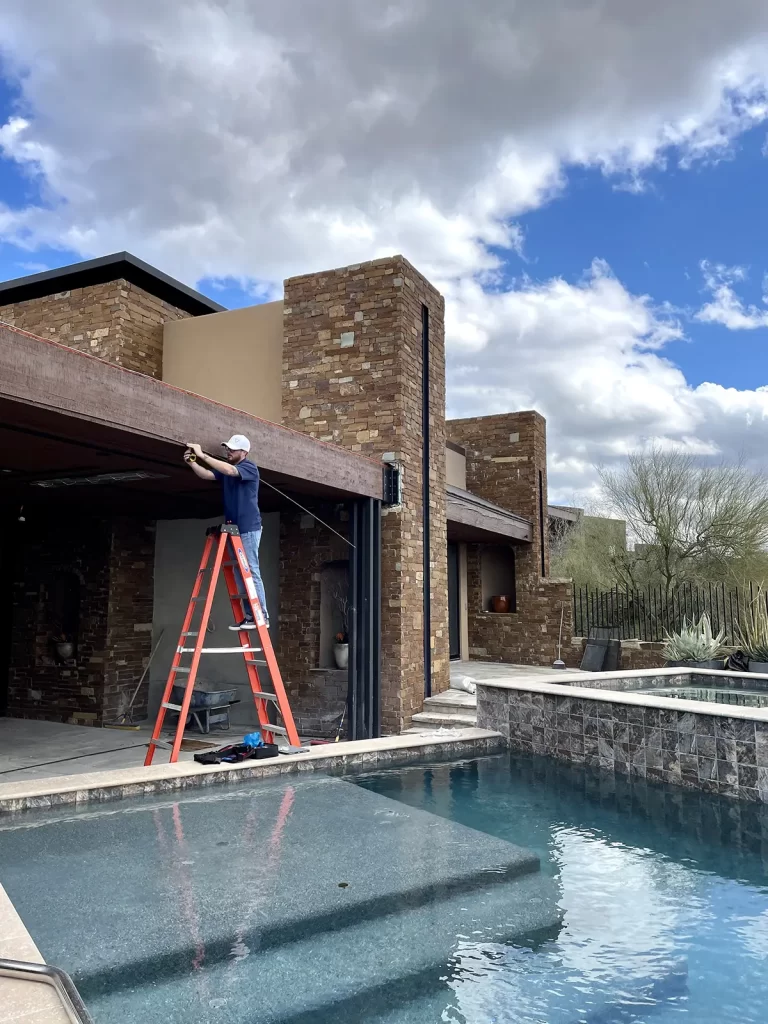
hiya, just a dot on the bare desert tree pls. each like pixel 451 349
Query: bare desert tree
pixel 689 522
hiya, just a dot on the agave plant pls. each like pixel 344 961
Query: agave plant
pixel 752 631
pixel 695 642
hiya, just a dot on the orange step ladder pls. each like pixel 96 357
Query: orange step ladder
pixel 224 541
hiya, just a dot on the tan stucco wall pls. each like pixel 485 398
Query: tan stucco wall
pixel 234 357
pixel 455 469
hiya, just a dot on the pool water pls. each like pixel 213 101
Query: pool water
pixel 718 695
pixel 238 906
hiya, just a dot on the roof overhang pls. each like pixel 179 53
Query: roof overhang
pixel 117 266
pixel 564 512
pixel 67 414
pixel 473 519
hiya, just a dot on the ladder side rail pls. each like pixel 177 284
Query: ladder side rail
pixel 238 611
pixel 266 642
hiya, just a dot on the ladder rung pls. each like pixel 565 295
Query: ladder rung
pixel 180 669
pixel 171 707
pixel 221 650
pixel 243 597
pixel 274 728
pixel 265 696
pixel 165 744
pixel 255 661
pixel 191 632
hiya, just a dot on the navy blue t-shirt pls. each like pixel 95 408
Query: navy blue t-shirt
pixel 241 497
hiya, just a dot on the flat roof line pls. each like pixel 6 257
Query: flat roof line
pixel 109 268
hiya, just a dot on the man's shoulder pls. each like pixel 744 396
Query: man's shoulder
pixel 248 470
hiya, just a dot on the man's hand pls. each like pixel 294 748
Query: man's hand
pixel 195 448
pixel 194 458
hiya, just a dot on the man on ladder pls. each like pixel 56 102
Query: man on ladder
pixel 239 478
pixel 238 540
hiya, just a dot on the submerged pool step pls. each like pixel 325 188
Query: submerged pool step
pixel 260 876
pixel 338 974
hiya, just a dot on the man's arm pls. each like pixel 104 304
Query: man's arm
pixel 224 468
pixel 197 469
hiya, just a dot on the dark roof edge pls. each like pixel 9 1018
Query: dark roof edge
pixel 468 498
pixel 109 268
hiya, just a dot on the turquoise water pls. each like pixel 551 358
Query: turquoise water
pixel 664 895
pixel 325 901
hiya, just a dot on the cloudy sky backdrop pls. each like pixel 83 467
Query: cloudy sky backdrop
pixel 585 181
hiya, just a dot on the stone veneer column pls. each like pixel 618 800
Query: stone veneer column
pixel 352 376
pixel 507 464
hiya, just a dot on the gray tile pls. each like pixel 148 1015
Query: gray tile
pixel 605 729
pixel 727 773
pixel 745 753
pixel 707 768
pixel 686 742
pixel 747 777
pixel 705 725
pixel 706 746
pixel 652 718
pixel 605 749
pixel 726 750
pixel 686 722
pixel 689 766
pixel 744 730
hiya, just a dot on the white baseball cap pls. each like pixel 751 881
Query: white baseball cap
pixel 237 443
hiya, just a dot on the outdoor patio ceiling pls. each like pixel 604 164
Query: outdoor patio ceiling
pixel 74 428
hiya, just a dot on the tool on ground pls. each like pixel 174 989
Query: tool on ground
pixel 221 541
pixel 125 720
pixel 191 457
pixel 559 663
pixel 341 724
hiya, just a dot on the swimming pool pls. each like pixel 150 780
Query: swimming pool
pixel 651 903
pixel 737 697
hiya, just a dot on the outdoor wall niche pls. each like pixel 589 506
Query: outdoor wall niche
pixel 497 574
pixel 334 591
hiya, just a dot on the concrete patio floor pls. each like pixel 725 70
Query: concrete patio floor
pixel 38 750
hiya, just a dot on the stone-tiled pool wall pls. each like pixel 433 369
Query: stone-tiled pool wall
pixel 712 747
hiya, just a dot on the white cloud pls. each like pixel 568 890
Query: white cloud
pixel 247 140
pixel 726 307
pixel 590 357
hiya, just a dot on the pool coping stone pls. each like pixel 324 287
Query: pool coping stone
pixel 123 783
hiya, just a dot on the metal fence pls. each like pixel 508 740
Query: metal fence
pixel 647 614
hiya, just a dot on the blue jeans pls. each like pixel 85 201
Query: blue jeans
pixel 251 543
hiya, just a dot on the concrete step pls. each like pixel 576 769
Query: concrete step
pixel 446 720
pixel 451 702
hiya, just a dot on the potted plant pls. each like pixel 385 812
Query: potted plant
pixel 695 645
pixel 341 649
pixel 752 634
pixel 341 640
pixel 63 646
pixel 501 604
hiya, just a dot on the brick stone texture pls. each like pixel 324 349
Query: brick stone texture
pixel 507 464
pixel 109 566
pixel 116 321
pixel 352 376
pixel 305 548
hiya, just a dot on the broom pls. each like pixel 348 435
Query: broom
pixel 120 722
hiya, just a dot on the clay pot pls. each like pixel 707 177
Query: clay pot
pixel 501 604
pixel 341 655
pixel 65 650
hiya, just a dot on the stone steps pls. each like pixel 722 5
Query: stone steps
pixel 446 720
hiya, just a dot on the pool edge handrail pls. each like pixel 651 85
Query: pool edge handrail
pixel 55 977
